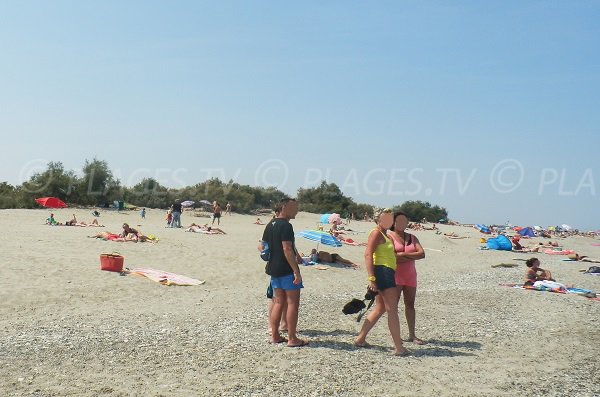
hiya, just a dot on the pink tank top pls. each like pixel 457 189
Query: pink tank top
pixel 399 247
pixel 406 272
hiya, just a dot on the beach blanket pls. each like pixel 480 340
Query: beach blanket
pixel 547 288
pixel 205 231
pixel 165 278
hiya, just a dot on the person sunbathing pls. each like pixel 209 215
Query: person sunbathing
pixel 324 256
pixel 535 273
pixel 258 222
pixel 204 229
pixel 73 222
pixel 130 237
pixel 108 236
pixel 452 235
pixel 94 223
pixel 583 258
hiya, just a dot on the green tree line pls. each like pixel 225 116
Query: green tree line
pixel 97 186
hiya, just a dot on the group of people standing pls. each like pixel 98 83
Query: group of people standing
pixel 174 213
pixel 390 261
pixel 390 257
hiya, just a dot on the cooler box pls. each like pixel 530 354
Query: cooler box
pixel 111 262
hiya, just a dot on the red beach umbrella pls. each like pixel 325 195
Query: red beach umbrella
pixel 51 202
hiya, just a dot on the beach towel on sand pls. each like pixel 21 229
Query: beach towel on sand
pixel 561 252
pixel 165 278
pixel 541 287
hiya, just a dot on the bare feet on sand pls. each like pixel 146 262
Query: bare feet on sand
pixel 417 341
pixel 403 351
pixel 297 343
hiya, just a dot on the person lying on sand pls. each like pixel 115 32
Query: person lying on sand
pixel 583 258
pixel 108 236
pixel 550 244
pixel 324 256
pixel 131 237
pixel 535 273
pixel 204 229
pixel 453 235
pixel 73 222
pixel 93 223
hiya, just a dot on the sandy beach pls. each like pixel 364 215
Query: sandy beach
pixel 69 329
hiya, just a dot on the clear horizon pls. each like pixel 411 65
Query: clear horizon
pixel 488 110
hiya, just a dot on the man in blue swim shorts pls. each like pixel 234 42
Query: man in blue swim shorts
pixel 284 271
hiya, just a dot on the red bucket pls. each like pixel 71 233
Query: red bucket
pixel 111 262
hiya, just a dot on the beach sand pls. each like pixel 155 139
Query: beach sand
pixel 69 329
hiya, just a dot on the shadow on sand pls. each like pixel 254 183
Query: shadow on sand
pixel 433 348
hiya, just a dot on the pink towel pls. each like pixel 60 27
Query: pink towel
pixel 166 278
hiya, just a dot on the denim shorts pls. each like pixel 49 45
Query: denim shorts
pixel 384 277
pixel 285 282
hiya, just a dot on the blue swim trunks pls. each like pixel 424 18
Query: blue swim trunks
pixel 285 282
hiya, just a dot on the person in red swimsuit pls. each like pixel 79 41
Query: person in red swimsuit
pixel 408 249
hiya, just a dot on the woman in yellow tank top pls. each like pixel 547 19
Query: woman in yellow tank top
pixel 380 261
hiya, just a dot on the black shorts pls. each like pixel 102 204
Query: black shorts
pixel 384 277
pixel 217 215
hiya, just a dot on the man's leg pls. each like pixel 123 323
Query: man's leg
pixel 293 305
pixel 279 297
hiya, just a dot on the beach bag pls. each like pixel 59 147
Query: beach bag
pixel 112 262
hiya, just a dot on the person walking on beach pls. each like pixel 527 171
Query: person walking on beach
pixel 408 249
pixel 143 213
pixel 284 271
pixel 380 261
pixel 228 208
pixel 176 214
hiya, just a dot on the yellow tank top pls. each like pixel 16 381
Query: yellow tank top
pixel 384 254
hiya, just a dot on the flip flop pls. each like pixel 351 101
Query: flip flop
pixel 282 340
pixel 303 343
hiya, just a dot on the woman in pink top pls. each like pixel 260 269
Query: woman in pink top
pixel 408 249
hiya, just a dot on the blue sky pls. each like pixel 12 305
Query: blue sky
pixel 486 108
